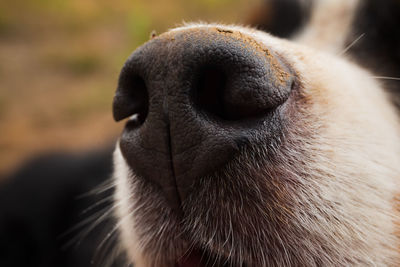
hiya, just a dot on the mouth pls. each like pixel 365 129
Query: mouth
pixel 202 258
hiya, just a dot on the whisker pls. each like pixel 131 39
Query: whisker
pixel 108 251
pixel 85 232
pixel 103 217
pixel 351 45
pixel 108 236
pixel 85 221
pixel 101 188
pixel 112 232
pixel 109 258
pixel 386 78
pixel 97 203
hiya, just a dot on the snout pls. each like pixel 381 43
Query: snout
pixel 195 99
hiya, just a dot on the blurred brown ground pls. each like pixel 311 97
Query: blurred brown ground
pixel 60 60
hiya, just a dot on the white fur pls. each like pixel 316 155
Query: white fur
pixel 123 208
pixel 329 25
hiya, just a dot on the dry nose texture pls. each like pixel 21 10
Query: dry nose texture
pixel 199 96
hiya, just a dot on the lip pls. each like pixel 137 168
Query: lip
pixel 191 259
pixel 202 258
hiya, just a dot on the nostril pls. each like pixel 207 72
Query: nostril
pixel 209 91
pixel 131 99
pixel 236 92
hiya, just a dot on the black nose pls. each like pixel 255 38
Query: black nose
pixel 195 98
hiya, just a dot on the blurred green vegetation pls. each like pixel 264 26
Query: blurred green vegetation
pixel 60 60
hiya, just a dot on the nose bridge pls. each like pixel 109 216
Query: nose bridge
pixel 192 138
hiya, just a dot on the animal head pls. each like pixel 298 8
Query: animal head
pixel 245 149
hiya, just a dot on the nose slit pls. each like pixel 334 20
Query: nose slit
pixel 131 99
pixel 208 94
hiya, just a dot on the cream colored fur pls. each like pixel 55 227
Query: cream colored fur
pixel 329 25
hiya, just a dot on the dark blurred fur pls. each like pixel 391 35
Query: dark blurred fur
pixel 44 200
pixel 284 17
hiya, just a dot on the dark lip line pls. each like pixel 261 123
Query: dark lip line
pixel 171 162
pixel 178 209
pixel 208 258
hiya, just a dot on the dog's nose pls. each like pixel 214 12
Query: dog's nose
pixel 196 97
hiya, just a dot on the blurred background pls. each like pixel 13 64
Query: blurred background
pixel 60 61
